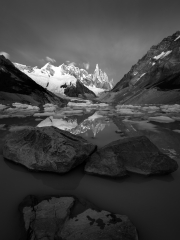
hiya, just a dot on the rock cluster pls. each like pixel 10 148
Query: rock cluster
pixel 52 219
pixel 56 150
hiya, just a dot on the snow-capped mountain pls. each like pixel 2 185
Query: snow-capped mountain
pixel 57 79
pixel 15 86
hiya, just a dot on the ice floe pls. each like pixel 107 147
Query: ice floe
pixel 25 106
pixel 170 108
pixel 125 111
pixel 49 107
pixel 87 104
pixel 127 106
pixel 128 111
pixel 72 111
pixel 19 110
pixel 163 119
pixel 2 107
pixel 4 116
pixel 44 114
pixel 176 130
pixel 59 123
pixel 176 118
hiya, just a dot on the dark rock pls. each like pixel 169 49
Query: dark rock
pixel 79 91
pixel 16 86
pixel 45 219
pixel 53 219
pixel 46 149
pixel 99 225
pixel 105 162
pixel 135 154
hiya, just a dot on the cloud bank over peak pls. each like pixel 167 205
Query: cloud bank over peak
pixel 71 63
pixel 86 65
pixel 5 54
pixel 50 59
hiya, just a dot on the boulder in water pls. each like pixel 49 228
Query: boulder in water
pixel 134 154
pixel 54 218
pixel 46 149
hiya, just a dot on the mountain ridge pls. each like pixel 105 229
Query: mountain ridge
pixel 96 82
pixel 155 78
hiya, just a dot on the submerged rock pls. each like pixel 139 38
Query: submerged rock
pixel 135 154
pixel 53 218
pixel 46 149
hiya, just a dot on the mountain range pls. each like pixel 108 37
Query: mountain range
pixel 154 79
pixel 64 78
pixel 16 86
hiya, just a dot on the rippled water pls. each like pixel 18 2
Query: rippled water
pixel 152 203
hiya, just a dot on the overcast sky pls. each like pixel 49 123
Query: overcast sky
pixel 112 33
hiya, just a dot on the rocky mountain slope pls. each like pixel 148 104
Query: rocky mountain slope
pixel 16 86
pixel 63 79
pixel 155 78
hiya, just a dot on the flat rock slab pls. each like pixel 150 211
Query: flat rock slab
pixel 135 154
pixel 53 219
pixel 46 149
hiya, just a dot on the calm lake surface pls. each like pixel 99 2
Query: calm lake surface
pixel 151 203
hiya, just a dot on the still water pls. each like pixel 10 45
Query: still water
pixel 152 203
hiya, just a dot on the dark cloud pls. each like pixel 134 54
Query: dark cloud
pixel 112 33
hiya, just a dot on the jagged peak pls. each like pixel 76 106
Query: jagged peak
pixel 46 65
pixel 97 67
pixel 3 57
pixel 5 61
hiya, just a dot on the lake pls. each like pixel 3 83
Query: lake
pixel 151 203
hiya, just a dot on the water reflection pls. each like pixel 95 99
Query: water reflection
pixel 68 181
pixel 95 123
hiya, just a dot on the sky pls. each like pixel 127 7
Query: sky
pixel 113 33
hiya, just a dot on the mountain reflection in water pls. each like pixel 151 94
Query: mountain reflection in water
pixel 95 123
